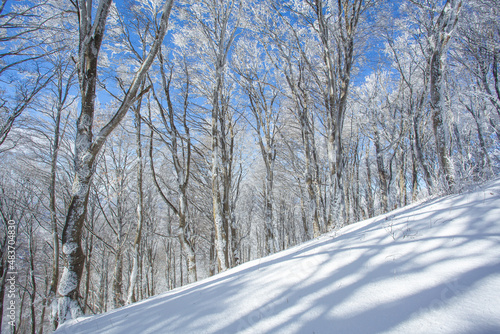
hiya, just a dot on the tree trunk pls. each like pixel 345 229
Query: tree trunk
pixel 212 254
pixel 118 279
pixel 87 148
pixel 131 298
pixel 439 39
pixel 270 228
pixel 403 199
pixel 3 271
pixel 417 146
pixel 485 158
pixel 382 174
pixel 436 83
pixel 369 197
pixel 88 266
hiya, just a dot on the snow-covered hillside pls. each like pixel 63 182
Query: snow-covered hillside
pixel 433 267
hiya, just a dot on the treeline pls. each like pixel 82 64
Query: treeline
pixel 148 144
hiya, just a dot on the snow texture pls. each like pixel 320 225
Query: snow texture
pixel 69 282
pixel 69 248
pixel 432 267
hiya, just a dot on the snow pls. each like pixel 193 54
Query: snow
pixel 433 267
pixel 69 282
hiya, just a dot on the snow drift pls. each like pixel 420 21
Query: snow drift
pixel 432 267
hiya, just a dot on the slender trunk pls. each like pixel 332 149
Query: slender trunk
pixel 270 226
pixel 53 217
pixel 485 158
pixel 226 208
pixel 90 247
pixel 382 174
pixel 33 281
pixel 44 309
pixel 185 240
pixel 212 255
pixel 403 199
pixel 181 264
pixel 63 89
pixel 436 83
pixel 347 197
pixel 303 215
pixel 102 283
pixel 414 170
pixel 369 198
pixel 358 212
pixel 417 146
pixel 118 280
pixel 190 259
pixel 131 298
pixel 220 228
pixel 265 126
pixel 307 135
pixel 339 207
pixel 174 271
pixel 3 271
pixel 168 261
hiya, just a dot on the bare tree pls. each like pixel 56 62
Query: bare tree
pixel 439 41
pixel 91 34
pixel 64 80
pixel 256 77
pixel 175 134
pixel 24 44
pixel 216 24
pixel 437 27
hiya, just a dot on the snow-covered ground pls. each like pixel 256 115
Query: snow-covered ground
pixel 432 267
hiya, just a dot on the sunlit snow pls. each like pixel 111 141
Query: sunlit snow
pixel 433 267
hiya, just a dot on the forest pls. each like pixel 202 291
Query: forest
pixel 145 145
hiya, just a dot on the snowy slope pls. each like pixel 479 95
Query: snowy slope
pixel 433 267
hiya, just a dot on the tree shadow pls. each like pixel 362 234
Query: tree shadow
pixel 354 282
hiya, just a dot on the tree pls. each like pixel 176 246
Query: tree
pixel 257 78
pixel 63 83
pixel 478 55
pixel 217 23
pixel 91 32
pixel 23 44
pixel 408 58
pixel 436 27
pixel 177 138
pixel 439 41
